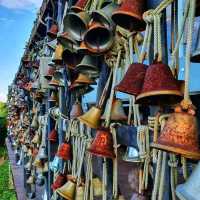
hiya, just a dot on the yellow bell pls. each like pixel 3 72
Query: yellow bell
pixel 57 56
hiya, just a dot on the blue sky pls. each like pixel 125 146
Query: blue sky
pixel 16 21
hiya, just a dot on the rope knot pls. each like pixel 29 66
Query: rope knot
pixel 148 16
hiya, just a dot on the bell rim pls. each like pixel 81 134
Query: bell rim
pixel 84 66
pixel 62 195
pixel 140 100
pixel 97 13
pixel 111 155
pixel 119 89
pixel 88 123
pixel 185 153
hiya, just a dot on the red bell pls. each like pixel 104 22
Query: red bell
pixel 102 145
pixel 64 151
pixel 61 179
pixel 160 87
pixel 133 79
pixel 53 136
pixel 52 33
pixel 129 15
pixel 79 6
pixel 76 110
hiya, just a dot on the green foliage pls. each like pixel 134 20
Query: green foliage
pixel 3 122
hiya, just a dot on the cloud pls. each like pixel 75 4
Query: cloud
pixel 21 4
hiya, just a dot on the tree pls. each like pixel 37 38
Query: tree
pixel 3 122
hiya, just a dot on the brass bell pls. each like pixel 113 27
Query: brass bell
pixel 131 155
pixel 117 111
pixel 97 187
pixel 67 190
pixel 79 192
pixel 76 24
pixel 195 57
pixel 84 79
pixel 92 117
pixel 57 80
pixel 57 56
pixel 76 110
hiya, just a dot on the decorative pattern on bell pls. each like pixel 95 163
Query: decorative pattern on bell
pixel 53 136
pixel 52 32
pixel 64 151
pixel 129 15
pixel 80 5
pixel 76 110
pixel 160 87
pixel 133 79
pixel 102 144
pixel 61 179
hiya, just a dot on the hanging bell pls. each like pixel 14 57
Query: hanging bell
pixel 52 32
pixel 159 90
pixel 79 192
pixel 102 145
pixel 57 80
pixel 190 189
pixel 117 111
pixel 37 162
pixel 55 164
pixel 40 181
pixel 30 180
pixel 92 117
pixel 53 97
pixel 76 110
pixel 52 44
pixel 42 155
pixel 57 56
pixel 133 79
pixel 64 151
pixel 65 39
pixel 53 136
pixel 50 72
pixel 131 155
pixel 195 57
pixel 80 5
pixel 97 187
pixel 180 135
pixel 76 24
pixel 129 15
pixel 67 190
pixel 81 89
pixel 84 79
pixel 61 179
pixel 35 123
pixel 82 49
pixel 36 139
pixel 98 38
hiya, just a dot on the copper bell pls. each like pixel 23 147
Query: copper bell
pixel 84 79
pixel 195 57
pixel 117 111
pixel 61 179
pixel 102 145
pixel 64 151
pixel 52 32
pixel 76 110
pixel 98 38
pixel 160 87
pixel 129 15
pixel 57 56
pixel 97 187
pixel 133 79
pixel 180 135
pixel 80 5
pixel 92 117
pixel 53 136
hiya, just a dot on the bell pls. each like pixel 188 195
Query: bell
pixel 84 79
pixel 34 123
pixel 117 111
pixel 37 162
pixel 76 24
pixel 53 136
pixel 180 135
pixel 131 155
pixel 52 44
pixel 57 56
pixel 133 79
pixel 76 110
pixel 97 187
pixel 159 90
pixel 66 39
pixel 52 32
pixel 92 117
pixel 53 97
pixel 61 179
pixel 190 189
pixel 88 66
pixel 98 38
pixel 80 5
pixel 30 180
pixel 102 145
pixel 50 72
pixel 81 89
pixel 79 192
pixel 54 165
pixel 57 80
pixel 36 139
pixel 129 15
pixel 82 49
pixel 42 155
pixel 67 191
pixel 195 57
pixel 104 15
pixel 40 181
pixel 64 151
pixel 35 152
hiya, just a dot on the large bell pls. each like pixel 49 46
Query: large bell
pixel 64 151
pixel 102 145
pixel 133 79
pixel 190 190
pixel 92 117
pixel 180 135
pixel 61 179
pixel 67 190
pixel 131 155
pixel 76 110
pixel 57 80
pixel 160 87
pixel 76 24
pixel 57 56
pixel 53 136
pixel 104 15
pixel 84 79
pixel 117 111
pixel 98 38
pixel 52 32
pixel 195 57
pixel 129 15
pixel 97 187
pixel 80 5
pixel 80 192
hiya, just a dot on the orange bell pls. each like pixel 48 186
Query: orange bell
pixel 102 145
pixel 64 151
pixel 53 136
pixel 76 110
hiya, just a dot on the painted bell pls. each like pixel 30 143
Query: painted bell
pixel 67 190
pixel 80 192
pixel 195 57
pixel 131 155
pixel 57 80
pixel 55 164
pixel 64 151
pixel 97 187
pixel 117 111
pixel 129 15
pixel 102 145
pixel 92 117
pixel 42 153
pixel 53 136
pixel 84 79
pixel 180 135
pixel 76 110
pixel 160 87
pixel 57 56
pixel 76 24
pixel 190 190
pixel 104 15
pixel 133 79
pixel 52 32
pixel 80 5
pixel 61 179
pixel 98 38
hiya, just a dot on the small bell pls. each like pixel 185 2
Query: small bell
pixel 42 155
pixel 53 136
pixel 97 187
pixel 35 123
pixel 36 139
pixel 55 164
pixel 84 79
pixel 76 110
pixel 64 151
pixel 57 56
pixel 53 97
pixel 52 33
pixel 31 180
pixel 65 39
pixel 61 179
pixel 50 72
pixel 131 155
pixel 57 80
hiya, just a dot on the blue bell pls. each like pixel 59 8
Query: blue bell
pixel 55 164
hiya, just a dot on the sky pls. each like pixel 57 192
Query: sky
pixel 16 22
